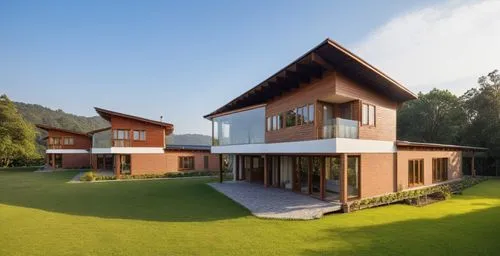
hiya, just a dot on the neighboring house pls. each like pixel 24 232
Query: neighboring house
pixel 66 149
pixel 325 125
pixel 131 145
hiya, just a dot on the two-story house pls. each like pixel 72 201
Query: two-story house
pixel 325 125
pixel 66 149
pixel 130 145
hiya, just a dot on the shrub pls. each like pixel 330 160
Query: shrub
pixel 88 176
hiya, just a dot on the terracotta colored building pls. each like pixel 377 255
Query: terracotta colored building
pixel 130 145
pixel 325 125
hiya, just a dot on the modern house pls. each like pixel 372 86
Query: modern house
pixel 325 126
pixel 66 149
pixel 130 145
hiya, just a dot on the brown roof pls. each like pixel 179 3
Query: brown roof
pixel 99 130
pixel 51 128
pixel 106 114
pixel 436 145
pixel 328 55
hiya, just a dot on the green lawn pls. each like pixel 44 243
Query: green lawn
pixel 41 214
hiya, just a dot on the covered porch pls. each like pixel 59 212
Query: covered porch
pixel 331 178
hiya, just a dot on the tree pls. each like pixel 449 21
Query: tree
pixel 483 113
pixel 17 137
pixel 436 117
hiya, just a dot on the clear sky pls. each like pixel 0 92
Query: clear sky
pixel 184 59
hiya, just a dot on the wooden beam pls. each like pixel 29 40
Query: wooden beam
pixel 320 61
pixel 473 165
pixel 343 178
pixel 266 172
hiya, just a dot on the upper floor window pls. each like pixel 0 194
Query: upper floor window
pixel 140 135
pixel 54 141
pixel 274 122
pixel 298 116
pixel 291 116
pixel 68 141
pixel 368 114
pixel 120 134
pixel 439 169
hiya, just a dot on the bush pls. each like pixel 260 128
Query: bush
pixel 88 176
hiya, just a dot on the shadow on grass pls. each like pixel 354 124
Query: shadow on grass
pixel 473 233
pixel 167 200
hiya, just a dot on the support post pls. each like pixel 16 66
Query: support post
pixel 343 178
pixel 235 166
pixel 309 175
pixel 53 161
pixel 221 169
pixel 322 178
pixel 117 164
pixel 279 171
pixel 473 165
pixel 266 171
pixel 238 167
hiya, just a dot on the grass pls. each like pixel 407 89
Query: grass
pixel 41 214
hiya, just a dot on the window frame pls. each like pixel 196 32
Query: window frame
pixel 206 162
pixel 440 169
pixel 186 163
pixel 370 117
pixel 420 164
pixel 125 132
pixel 141 135
pixel 70 139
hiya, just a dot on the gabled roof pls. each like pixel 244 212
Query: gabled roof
pixel 52 128
pixel 328 55
pixel 436 145
pixel 106 114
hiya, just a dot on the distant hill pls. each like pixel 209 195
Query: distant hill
pixel 37 114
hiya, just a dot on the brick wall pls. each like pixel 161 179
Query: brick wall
pixel 155 135
pixel 377 174
pixel 75 160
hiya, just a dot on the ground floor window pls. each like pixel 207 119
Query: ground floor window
pixel 439 169
pixel 125 164
pixel 353 167
pixel 205 162
pixel 415 172
pixel 186 163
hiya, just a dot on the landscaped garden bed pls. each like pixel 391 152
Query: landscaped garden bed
pixel 418 197
pixel 95 176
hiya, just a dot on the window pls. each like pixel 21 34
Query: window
pixel 68 141
pixel 120 134
pixel 439 169
pixel 205 162
pixel 186 163
pixel 290 117
pixel 415 172
pixel 269 123
pixel 353 179
pixel 54 141
pixel 311 113
pixel 140 135
pixel 368 114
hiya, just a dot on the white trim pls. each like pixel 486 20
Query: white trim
pixel 128 150
pixel 67 151
pixel 337 145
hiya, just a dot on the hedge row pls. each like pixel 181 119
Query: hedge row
pixel 443 191
pixel 91 176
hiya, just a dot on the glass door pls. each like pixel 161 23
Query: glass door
pixel 125 164
pixel 316 176
pixel 332 178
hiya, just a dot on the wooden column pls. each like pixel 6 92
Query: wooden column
pixel 117 164
pixel 309 175
pixel 53 160
pixel 322 179
pixel 237 164
pixel 221 167
pixel 279 171
pixel 266 172
pixel 343 178
pixel 473 166
pixel 243 170
pixel 294 173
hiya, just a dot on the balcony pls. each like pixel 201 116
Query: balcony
pixel 121 143
pixel 339 128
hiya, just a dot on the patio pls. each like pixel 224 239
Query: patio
pixel 275 203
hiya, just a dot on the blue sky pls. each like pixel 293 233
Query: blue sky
pixel 179 59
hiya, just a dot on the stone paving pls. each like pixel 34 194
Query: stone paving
pixel 275 203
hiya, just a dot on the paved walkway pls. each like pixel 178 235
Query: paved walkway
pixel 275 203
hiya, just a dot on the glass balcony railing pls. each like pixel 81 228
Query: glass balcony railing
pixel 339 128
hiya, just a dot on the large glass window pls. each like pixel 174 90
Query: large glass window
pixel 353 176
pixel 186 162
pixel 246 127
pixel 415 172
pixel 311 113
pixel 290 117
pixel 101 139
pixel 332 178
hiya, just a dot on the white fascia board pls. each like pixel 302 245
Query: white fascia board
pixel 128 150
pixel 67 151
pixel 337 145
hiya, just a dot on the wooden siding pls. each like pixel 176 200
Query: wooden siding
pixel 79 141
pixel 155 134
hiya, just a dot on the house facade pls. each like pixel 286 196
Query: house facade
pixel 65 148
pixel 131 145
pixel 325 126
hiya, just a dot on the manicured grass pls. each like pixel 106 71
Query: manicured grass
pixel 41 214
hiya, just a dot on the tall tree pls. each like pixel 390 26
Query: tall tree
pixel 483 113
pixel 436 116
pixel 17 137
